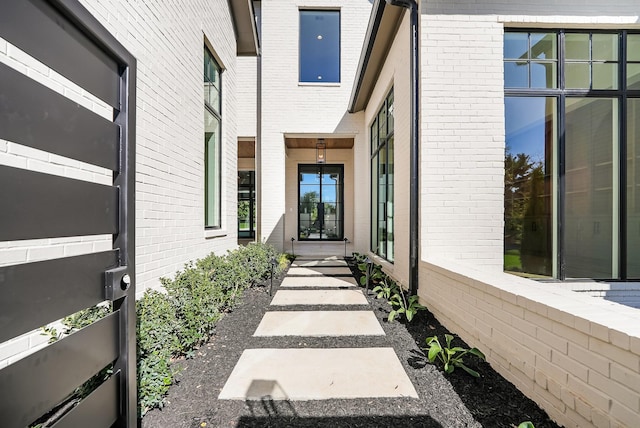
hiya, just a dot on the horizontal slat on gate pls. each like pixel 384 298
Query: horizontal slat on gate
pixel 35 27
pixel 99 409
pixel 37 205
pixel 50 290
pixel 34 384
pixel 34 115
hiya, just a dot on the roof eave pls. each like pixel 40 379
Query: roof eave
pixel 244 22
pixel 383 26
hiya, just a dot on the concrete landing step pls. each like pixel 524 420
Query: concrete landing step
pixel 307 263
pixel 319 297
pixel 318 281
pixel 319 324
pixel 317 374
pixel 319 270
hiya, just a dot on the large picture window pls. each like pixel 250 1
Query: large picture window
pixel 212 146
pixel 319 46
pixel 571 115
pixel 382 165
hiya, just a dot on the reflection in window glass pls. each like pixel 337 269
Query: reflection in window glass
pixel 543 74
pixel 516 45
pixel 605 76
pixel 544 46
pixel 633 47
pixel 246 204
pixel 319 47
pixel 528 202
pixel 633 76
pixel 212 169
pixel 516 74
pixel 591 165
pixel 382 173
pixel 605 47
pixel 530 60
pixel 633 188
pixel 576 46
pixel 578 75
pixel 320 207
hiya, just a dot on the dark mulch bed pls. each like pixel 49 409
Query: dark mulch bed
pixel 455 400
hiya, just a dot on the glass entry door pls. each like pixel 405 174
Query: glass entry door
pixel 246 204
pixel 320 202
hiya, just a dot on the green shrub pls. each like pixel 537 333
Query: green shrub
pixel 174 324
pixel 156 324
pixel 197 302
pixel 154 379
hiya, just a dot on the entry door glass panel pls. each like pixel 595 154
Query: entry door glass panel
pixel 320 209
pixel 591 173
pixel 246 204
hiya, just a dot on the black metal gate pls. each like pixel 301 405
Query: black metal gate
pixel 33 205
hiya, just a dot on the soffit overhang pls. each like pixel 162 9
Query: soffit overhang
pixel 310 142
pixel 383 26
pixel 244 23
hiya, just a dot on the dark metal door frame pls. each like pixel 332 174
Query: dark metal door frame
pixel 64 36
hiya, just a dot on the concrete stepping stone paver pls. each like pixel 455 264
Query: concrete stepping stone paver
pixel 319 324
pixel 307 263
pixel 319 270
pixel 317 374
pixel 319 297
pixel 318 281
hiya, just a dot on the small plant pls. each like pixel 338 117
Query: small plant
pixel 385 289
pixel 375 275
pixel 527 424
pixel 401 305
pixel 451 357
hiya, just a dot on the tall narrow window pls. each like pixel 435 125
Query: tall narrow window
pixel 246 204
pixel 382 165
pixel 320 46
pixel 212 134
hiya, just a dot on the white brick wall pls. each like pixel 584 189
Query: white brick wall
pixel 167 38
pixel 462 137
pixel 289 107
pixel 168 41
pixel 247 96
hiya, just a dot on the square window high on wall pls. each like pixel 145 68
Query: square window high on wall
pixel 319 50
pixel 212 146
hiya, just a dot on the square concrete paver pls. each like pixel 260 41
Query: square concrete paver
pixel 319 297
pixel 319 323
pixel 318 281
pixel 319 270
pixel 317 374
pixel 307 263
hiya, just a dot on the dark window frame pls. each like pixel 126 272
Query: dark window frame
pixel 217 114
pixel 300 58
pixel 561 93
pixel 379 143
pixel 341 217
pixel 251 187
